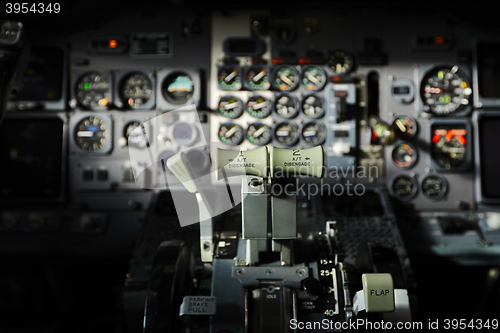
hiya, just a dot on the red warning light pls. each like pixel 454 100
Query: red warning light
pixel 112 44
pixel 438 40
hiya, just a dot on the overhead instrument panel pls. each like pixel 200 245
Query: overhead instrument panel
pixel 445 90
pixel 135 90
pixel 451 145
pixel 93 90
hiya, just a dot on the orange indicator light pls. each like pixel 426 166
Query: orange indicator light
pixel 112 44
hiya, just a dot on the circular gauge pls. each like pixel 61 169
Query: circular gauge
pixel 340 62
pixel 313 78
pixel 93 90
pixel 230 107
pixel 404 127
pixel 229 78
pixel 286 133
pixel 449 145
pixel 92 133
pixel 445 90
pixel 258 107
pixel 433 187
pixel 285 106
pixel 259 134
pixel 133 132
pixel 312 106
pixel 404 187
pixel 178 88
pixel 404 155
pixel 313 133
pixel 231 134
pixel 257 78
pixel 184 133
pixel 136 90
pixel 286 78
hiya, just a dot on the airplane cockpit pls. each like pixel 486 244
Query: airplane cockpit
pixel 188 166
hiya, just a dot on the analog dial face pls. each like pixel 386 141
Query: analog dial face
pixel 313 78
pixel 92 133
pixel 340 62
pixel 285 106
pixel 231 134
pixel 93 90
pixel 434 187
pixel 404 155
pixel 230 107
pixel 259 134
pixel 449 145
pixel 404 127
pixel 313 133
pixel 136 90
pixel 286 78
pixel 312 106
pixel 229 78
pixel 133 132
pixel 178 88
pixel 404 187
pixel 258 107
pixel 445 90
pixel 257 78
pixel 286 133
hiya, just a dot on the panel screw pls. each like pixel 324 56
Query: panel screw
pixel 240 271
pixel 270 272
pixel 301 272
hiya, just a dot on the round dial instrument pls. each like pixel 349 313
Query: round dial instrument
pixel 286 133
pixel 231 134
pixel 404 187
pixel 312 106
pixel 259 134
pixel 340 62
pixel 434 187
pixel 313 133
pixel 449 145
pixel 404 127
pixel 178 88
pixel 445 90
pixel 404 155
pixel 136 89
pixel 258 107
pixel 229 78
pixel 230 107
pixel 313 78
pixel 286 78
pixel 285 106
pixel 257 78
pixel 92 133
pixel 93 90
pixel 133 132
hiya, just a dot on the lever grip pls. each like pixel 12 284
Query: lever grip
pixel 297 161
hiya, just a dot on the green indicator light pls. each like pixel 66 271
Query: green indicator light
pixel 86 86
pixel 440 75
pixel 445 99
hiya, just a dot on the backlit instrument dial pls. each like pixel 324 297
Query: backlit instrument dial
pixel 258 107
pixel 93 90
pixel 404 155
pixel 286 133
pixel 314 133
pixel 133 132
pixel 286 78
pixel 313 78
pixel 136 90
pixel 92 133
pixel 404 187
pixel 312 106
pixel 231 134
pixel 449 145
pixel 445 90
pixel 229 78
pixel 404 127
pixel 230 107
pixel 340 62
pixel 285 105
pixel 178 88
pixel 259 134
pixel 434 187
pixel 257 78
